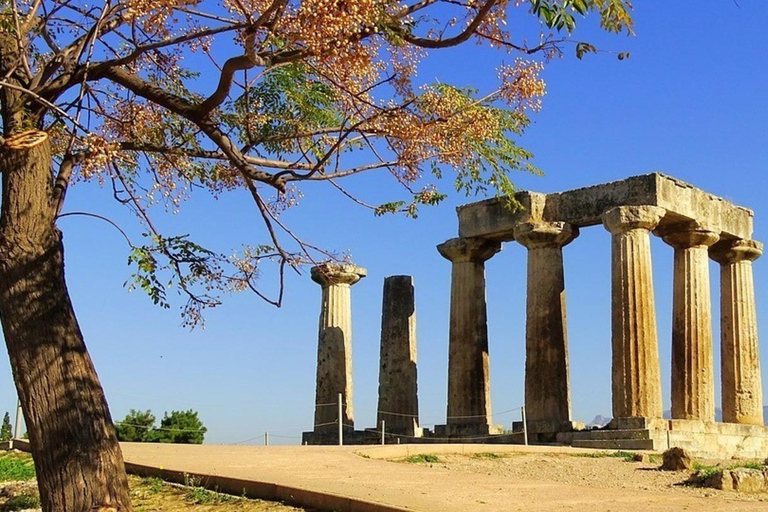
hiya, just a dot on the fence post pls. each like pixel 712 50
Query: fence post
pixel 525 427
pixel 266 438
pixel 341 423
pixel 383 425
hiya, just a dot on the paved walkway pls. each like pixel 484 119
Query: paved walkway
pixel 340 470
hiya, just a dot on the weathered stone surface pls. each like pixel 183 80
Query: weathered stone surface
pixel 584 207
pixel 676 459
pixel 398 394
pixel 748 480
pixel 334 348
pixel 744 480
pixel 547 394
pixel 469 400
pixel 641 457
pixel 742 392
pixel 636 373
pixel 693 383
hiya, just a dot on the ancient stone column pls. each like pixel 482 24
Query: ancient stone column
pixel 742 391
pixel 693 382
pixel 636 373
pixel 547 394
pixel 469 389
pixel 398 396
pixel 334 348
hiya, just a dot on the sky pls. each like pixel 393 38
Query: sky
pixel 691 102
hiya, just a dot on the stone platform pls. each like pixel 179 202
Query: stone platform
pixel 700 438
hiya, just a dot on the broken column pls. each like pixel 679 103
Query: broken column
pixel 469 388
pixel 334 348
pixel 742 392
pixel 547 395
pixel 398 396
pixel 693 382
pixel 636 373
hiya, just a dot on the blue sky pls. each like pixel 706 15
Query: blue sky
pixel 691 102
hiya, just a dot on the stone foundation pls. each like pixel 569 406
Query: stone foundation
pixel 701 438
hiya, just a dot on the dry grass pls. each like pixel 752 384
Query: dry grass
pixel 152 494
pixel 18 491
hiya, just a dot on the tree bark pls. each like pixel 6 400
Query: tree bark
pixel 74 445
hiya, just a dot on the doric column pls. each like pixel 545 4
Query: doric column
pixel 469 390
pixel 334 348
pixel 398 395
pixel 636 374
pixel 693 383
pixel 742 385
pixel 547 395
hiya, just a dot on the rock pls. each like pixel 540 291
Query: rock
pixel 720 480
pixel 676 459
pixel 747 480
pixel 642 457
pixel 744 480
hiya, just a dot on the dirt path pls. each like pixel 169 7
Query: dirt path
pixel 529 479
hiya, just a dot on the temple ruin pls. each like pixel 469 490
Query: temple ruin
pixel 698 226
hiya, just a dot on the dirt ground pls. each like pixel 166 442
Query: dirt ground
pixel 590 471
pixel 533 478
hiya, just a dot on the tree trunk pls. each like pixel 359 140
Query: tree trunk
pixel 77 457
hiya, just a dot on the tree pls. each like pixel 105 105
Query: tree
pixel 305 91
pixel 182 427
pixel 136 426
pixel 6 431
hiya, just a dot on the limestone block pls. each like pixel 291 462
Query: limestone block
pixel 747 480
pixel 676 459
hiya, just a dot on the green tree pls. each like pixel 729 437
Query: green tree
pixel 182 427
pixel 305 91
pixel 136 426
pixel 6 431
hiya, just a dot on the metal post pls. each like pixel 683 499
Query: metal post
pixel 341 423
pixel 383 424
pixel 266 438
pixel 19 416
pixel 525 427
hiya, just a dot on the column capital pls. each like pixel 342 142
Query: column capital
pixel 686 235
pixel 328 274
pixel 477 250
pixel 545 234
pixel 735 250
pixel 621 219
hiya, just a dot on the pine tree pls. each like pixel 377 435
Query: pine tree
pixel 6 432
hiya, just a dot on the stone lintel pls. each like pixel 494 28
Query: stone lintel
pixel 583 207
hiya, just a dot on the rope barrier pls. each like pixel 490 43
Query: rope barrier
pixel 162 428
